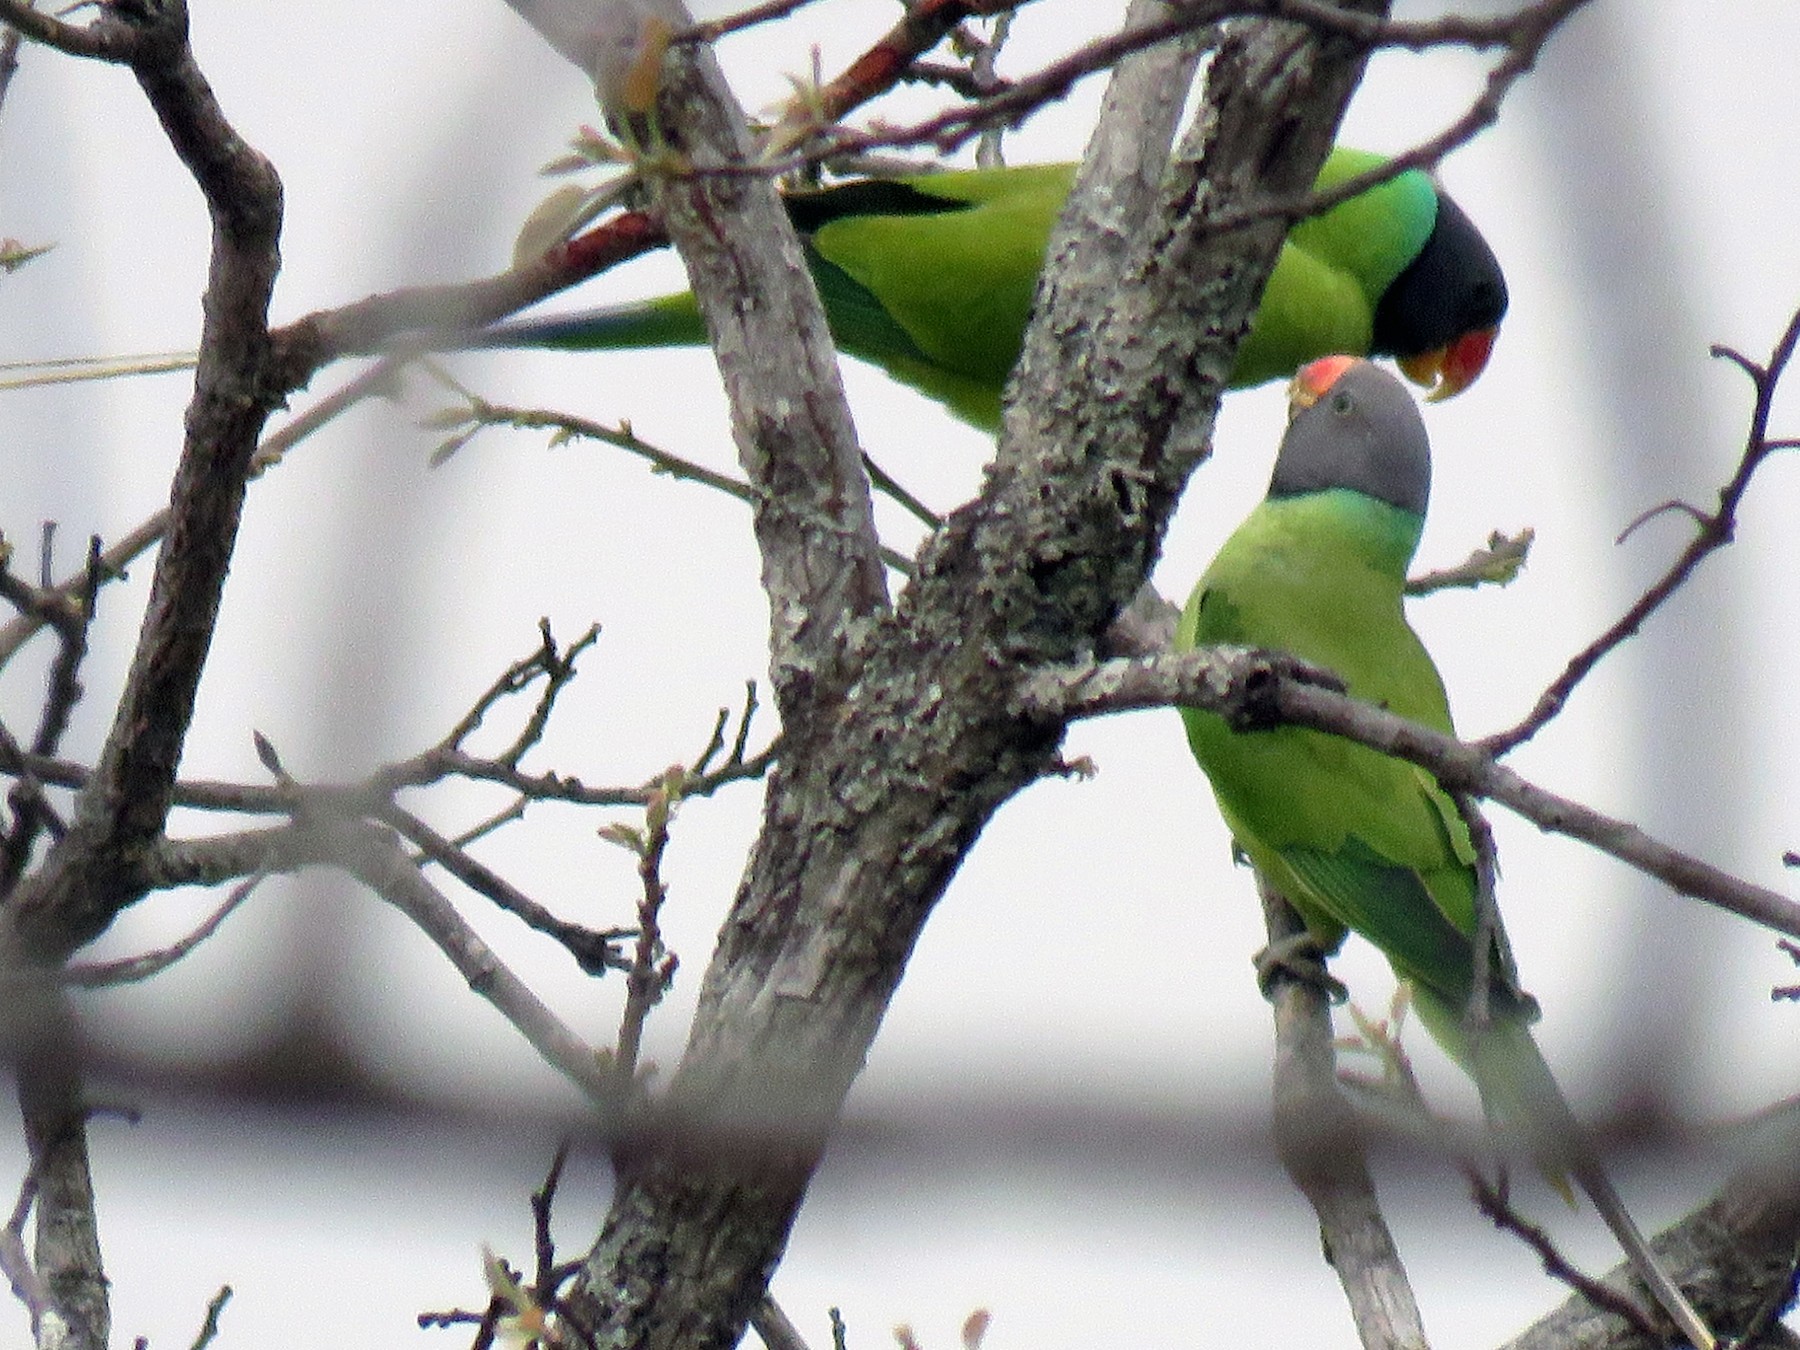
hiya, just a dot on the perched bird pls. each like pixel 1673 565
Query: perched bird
pixel 1353 838
pixel 932 278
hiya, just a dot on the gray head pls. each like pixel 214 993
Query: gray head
pixel 1352 425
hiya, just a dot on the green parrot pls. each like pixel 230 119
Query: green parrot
pixel 932 279
pixel 1353 838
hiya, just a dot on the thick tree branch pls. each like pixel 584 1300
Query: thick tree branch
pixel 92 871
pixel 1321 1146
pixel 813 514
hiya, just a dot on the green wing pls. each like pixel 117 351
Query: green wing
pixel 959 281
pixel 940 295
pixel 932 278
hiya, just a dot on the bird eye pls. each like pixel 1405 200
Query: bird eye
pixel 1341 402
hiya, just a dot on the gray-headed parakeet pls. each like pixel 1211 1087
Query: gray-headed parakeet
pixel 1355 839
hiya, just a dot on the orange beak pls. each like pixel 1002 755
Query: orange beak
pixel 1313 379
pixel 1449 370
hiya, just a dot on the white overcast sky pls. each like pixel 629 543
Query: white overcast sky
pixel 1641 191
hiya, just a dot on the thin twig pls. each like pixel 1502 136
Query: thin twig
pixel 889 486
pixel 1522 34
pixel 209 1328
pixel 1714 530
pixel 595 952
pixel 21 1274
pixel 543 1199
pixel 136 969
pixel 375 858
pixel 424 769
pixel 1490 1200
pixel 652 965
pixel 776 1329
pixel 113 561
pixel 32 812
pixel 1495 565
pixel 481 413
pixel 557 666
pixel 714 29
pixel 564 426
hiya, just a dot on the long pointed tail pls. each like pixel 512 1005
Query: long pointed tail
pixel 1518 1087
pixel 1592 1179
pixel 667 321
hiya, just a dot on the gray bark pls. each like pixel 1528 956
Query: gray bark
pixel 902 733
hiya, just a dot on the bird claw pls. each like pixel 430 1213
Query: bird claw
pixel 1299 957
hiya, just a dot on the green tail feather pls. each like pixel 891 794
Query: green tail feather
pixel 1518 1090
pixel 667 321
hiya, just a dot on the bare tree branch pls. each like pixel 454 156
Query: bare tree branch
pixel 89 874
pixel 565 426
pixel 1714 530
pixel 1320 1143
pixel 138 968
pixel 21 1274
pixel 713 29
pixel 1259 689
pixel 47 605
pixel 1492 1201
pixel 66 1253
pixel 9 60
pixel 1735 1255
pixel 373 855
pixel 595 952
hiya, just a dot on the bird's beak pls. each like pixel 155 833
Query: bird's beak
pixel 1449 370
pixel 1312 380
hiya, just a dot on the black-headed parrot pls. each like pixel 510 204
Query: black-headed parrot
pixel 932 277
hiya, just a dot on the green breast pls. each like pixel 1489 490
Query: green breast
pixel 1321 577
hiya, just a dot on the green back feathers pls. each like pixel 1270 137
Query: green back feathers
pixel 959 283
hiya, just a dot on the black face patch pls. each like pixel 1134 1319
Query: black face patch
pixel 812 211
pixel 1453 288
pixel 1364 434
